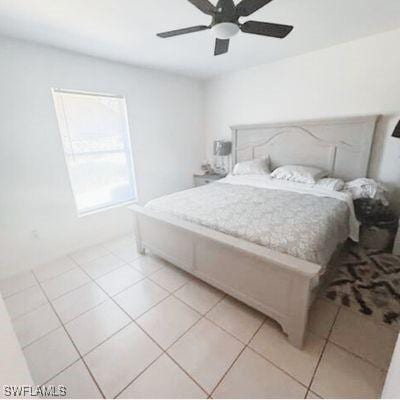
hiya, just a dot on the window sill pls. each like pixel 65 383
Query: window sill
pixel 107 208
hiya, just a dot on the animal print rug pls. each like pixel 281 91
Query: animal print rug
pixel 367 281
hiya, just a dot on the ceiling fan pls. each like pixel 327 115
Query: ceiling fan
pixel 225 22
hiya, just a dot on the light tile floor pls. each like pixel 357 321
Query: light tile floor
pixel 108 322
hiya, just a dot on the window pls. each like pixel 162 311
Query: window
pixel 95 136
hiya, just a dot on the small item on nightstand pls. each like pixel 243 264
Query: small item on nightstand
pixel 200 180
pixel 206 167
pixel 379 224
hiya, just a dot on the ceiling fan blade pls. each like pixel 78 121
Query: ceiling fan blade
pixel 183 31
pixel 221 46
pixel 248 7
pixel 228 8
pixel 205 6
pixel 266 29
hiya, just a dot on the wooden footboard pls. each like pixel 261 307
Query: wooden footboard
pixel 277 284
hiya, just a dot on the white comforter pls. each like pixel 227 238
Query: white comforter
pixel 297 219
pixel 266 182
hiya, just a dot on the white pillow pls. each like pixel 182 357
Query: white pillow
pixel 331 184
pixel 299 173
pixel 259 166
pixel 367 188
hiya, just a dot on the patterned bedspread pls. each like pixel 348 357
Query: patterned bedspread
pixel 302 225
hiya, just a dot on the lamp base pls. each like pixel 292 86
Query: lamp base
pixel 220 165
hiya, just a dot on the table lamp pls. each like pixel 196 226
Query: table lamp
pixel 222 151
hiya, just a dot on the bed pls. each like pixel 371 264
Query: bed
pixel 264 242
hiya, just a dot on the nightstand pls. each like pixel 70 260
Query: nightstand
pixel 379 225
pixel 200 180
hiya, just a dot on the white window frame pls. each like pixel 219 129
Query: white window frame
pixel 128 149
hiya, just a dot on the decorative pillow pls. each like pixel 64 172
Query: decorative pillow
pixel 367 188
pixel 331 184
pixel 299 173
pixel 259 166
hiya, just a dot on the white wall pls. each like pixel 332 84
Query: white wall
pixel 357 78
pixel 165 115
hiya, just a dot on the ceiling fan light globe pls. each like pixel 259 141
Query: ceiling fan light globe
pixel 225 30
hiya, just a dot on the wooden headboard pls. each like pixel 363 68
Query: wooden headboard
pixel 341 146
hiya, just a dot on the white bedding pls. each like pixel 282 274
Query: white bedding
pixel 304 221
pixel 266 182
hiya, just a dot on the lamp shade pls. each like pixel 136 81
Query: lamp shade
pixel 396 132
pixel 222 148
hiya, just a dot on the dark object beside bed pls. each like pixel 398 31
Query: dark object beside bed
pixel 379 224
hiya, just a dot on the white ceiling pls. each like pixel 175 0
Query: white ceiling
pixel 125 30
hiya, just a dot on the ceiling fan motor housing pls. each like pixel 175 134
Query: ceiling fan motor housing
pixel 225 23
pixel 225 30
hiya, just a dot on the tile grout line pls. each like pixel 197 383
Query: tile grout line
pixel 237 357
pixel 322 353
pixel 106 339
pixel 171 294
pixel 79 315
pixel 93 281
pixel 138 376
pixel 71 255
pixel 277 366
pixel 151 338
pixel 353 311
pixel 125 312
pixel 215 323
pixel 73 343
pixel 59 276
pixel 23 347
pixel 85 312
pixel 19 291
pixel 112 297
pixel 326 340
pixel 25 314
pixel 385 370
pixel 106 273
pixel 138 256
pixel 186 373
pixel 359 357
pixel 123 290
pixel 77 265
pixel 38 285
pixel 32 271
pixel 126 264
pixel 67 333
pixel 167 354
pixel 204 316
pixel 54 276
